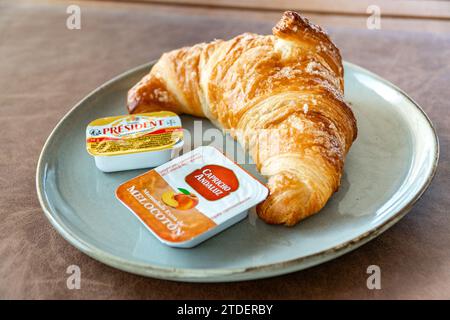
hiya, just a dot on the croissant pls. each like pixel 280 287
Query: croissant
pixel 290 83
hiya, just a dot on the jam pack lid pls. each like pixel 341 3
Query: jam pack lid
pixel 190 195
pixel 133 133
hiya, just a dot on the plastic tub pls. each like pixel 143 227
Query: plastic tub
pixel 192 198
pixel 134 141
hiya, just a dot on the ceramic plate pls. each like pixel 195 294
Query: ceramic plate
pixel 387 169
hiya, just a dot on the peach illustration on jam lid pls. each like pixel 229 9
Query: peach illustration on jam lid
pixel 181 201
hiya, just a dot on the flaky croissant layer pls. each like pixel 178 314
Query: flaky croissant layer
pixel 290 83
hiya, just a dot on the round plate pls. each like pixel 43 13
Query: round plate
pixel 387 169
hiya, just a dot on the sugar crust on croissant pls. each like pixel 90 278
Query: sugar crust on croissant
pixel 290 83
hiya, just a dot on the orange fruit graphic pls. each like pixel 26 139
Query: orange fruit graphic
pixel 180 201
pixel 186 201
pixel 168 198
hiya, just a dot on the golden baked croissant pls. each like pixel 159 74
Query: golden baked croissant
pixel 291 83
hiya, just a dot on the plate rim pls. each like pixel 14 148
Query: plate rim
pixel 225 274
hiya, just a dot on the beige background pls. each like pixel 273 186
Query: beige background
pixel 45 69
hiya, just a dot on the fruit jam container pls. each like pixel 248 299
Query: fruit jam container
pixel 193 197
pixel 135 141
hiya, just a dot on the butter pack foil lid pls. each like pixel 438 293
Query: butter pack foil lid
pixel 133 133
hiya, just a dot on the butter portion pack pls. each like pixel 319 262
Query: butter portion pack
pixel 134 141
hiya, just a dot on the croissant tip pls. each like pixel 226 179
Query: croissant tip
pixel 292 22
pixel 295 16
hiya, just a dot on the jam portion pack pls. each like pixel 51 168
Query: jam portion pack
pixel 193 197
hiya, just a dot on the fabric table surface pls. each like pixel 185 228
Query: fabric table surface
pixel 46 68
